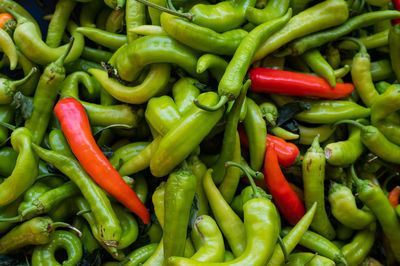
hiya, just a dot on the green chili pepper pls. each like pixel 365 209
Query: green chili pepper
pixel 129 226
pixel 319 244
pixel 228 256
pixel 215 64
pixel 115 21
pixel 208 240
pixel 230 224
pixel 142 160
pixel 357 250
pixel 256 131
pixel 71 84
pixel 108 224
pixel 261 218
pixel 313 19
pixel 97 227
pixel 184 92
pixel 305 258
pixel 179 194
pixel 127 152
pixel 59 22
pixel 232 176
pixel 372 41
pixel 181 140
pixel 162 114
pixel 95 55
pixel 383 113
pixel 140 187
pixel 8 159
pixel 87 239
pixel 155 49
pixel 45 97
pixel 7 46
pixel 273 9
pixel 394 44
pixel 135 16
pixel 155 13
pixel 33 232
pixel 20 179
pixel 8 211
pixel 325 111
pixel 115 4
pixel 156 80
pixel 230 138
pixel 313 180
pixel 88 13
pixel 344 153
pixel 81 65
pixel 4 4
pixel 140 255
pixel 344 208
pixel 293 237
pixel 376 142
pixel 374 198
pixel 154 233
pixel 283 133
pixel 28 39
pixel 307 135
pixel 199 169
pixel 45 254
pixel 231 82
pixel 320 66
pixel 201 38
pixel 102 37
pixel 317 39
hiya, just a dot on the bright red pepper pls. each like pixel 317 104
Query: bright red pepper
pixel 291 83
pixel 394 196
pixel 75 125
pixel 282 193
pixel 4 17
pixel 287 151
pixel 396 4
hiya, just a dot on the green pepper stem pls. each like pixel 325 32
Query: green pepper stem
pixel 222 101
pixel 56 225
pixel 354 176
pixel 341 72
pixel 29 211
pixel 82 212
pixel 16 15
pixel 251 180
pixel 284 251
pixel 16 83
pixel 310 259
pixel 363 49
pixel 188 16
pixel 14 219
pixel 352 122
pixel 60 60
pixel 7 125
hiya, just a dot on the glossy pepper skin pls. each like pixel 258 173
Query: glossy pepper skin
pixel 284 196
pixel 313 168
pixel 284 82
pixel 75 125
pixel 70 242
pixel 20 179
pixel 181 140
pixel 261 219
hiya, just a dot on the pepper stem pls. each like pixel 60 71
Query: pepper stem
pixel 14 219
pixel 363 49
pixel 354 176
pixel 255 174
pixel 352 122
pixel 60 60
pixel 16 15
pixel 223 100
pixel 284 251
pixel 249 176
pixel 188 16
pixel 29 211
pixel 7 125
pixel 56 225
pixel 82 212
pixel 16 83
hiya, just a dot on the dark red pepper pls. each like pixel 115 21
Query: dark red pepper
pixel 396 4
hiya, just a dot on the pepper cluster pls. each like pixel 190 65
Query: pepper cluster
pixel 247 123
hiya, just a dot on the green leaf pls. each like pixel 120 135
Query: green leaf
pixel 194 212
pixel 23 108
pixel 288 111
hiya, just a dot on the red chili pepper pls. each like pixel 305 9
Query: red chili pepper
pixel 393 196
pixel 287 152
pixel 75 125
pixel 284 196
pixel 290 83
pixel 396 4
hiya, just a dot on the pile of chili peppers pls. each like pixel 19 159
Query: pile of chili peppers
pixel 177 132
